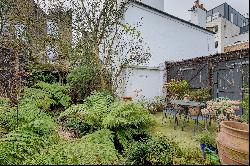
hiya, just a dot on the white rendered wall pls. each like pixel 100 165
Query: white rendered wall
pixel 158 4
pixel 227 34
pixel 169 40
pixel 147 81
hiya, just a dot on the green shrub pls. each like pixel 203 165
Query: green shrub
pixel 4 102
pixel 20 145
pixel 78 126
pixel 94 149
pixel 191 156
pixel 95 108
pixel 129 120
pixel 245 105
pixel 83 80
pixel 154 151
pixel 206 138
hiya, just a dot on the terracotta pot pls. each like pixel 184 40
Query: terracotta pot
pixel 127 98
pixel 186 99
pixel 194 111
pixel 233 143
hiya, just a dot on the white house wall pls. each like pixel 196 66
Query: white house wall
pixel 148 82
pixel 168 38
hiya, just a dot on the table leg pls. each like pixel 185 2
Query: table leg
pixel 164 118
pixel 185 118
pixel 175 121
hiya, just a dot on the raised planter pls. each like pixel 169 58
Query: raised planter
pixel 233 143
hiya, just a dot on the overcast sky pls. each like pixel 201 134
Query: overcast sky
pixel 180 8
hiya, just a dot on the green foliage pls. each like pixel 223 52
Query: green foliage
pixel 20 145
pixel 155 151
pixel 200 95
pixel 245 105
pixel 206 138
pixel 8 117
pixel 79 127
pixel 95 108
pixel 39 75
pixel 4 102
pixel 192 156
pixel 93 149
pixel 127 114
pixel 127 120
pixel 45 95
pixel 177 88
pixel 83 80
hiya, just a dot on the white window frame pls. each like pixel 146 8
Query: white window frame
pixel 232 17
pixel 21 32
pixel 209 18
pixel 52 28
pixel 51 53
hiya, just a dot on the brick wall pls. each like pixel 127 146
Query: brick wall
pixel 236 47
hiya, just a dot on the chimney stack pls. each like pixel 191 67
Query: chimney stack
pixel 198 14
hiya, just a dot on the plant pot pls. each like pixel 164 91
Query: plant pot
pixel 203 150
pixel 194 111
pixel 186 99
pixel 127 98
pixel 233 143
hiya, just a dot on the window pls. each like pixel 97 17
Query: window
pixel 209 18
pixel 21 32
pixel 51 52
pixel 244 23
pixel 4 28
pixel 216 15
pixel 232 17
pixel 216 44
pixel 216 28
pixel 52 28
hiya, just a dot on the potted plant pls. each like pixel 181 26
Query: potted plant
pixel 176 88
pixel 233 138
pixel 206 140
pixel 186 98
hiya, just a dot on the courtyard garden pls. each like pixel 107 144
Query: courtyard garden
pixel 59 100
pixel 47 127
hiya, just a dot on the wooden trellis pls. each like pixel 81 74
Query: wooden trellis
pixel 225 74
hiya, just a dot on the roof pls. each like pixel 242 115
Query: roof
pixel 169 15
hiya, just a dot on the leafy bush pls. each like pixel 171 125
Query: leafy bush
pixel 245 105
pixel 4 102
pixel 177 89
pixel 39 75
pixel 154 151
pixel 200 95
pixel 206 138
pixel 192 156
pixel 78 126
pixel 59 92
pixel 95 108
pixel 20 145
pixel 84 80
pixel 94 149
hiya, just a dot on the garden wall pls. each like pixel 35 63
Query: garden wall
pixel 225 74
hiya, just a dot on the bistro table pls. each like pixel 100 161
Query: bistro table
pixel 185 105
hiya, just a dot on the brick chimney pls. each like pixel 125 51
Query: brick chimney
pixel 198 14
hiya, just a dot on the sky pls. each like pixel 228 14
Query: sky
pixel 179 8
